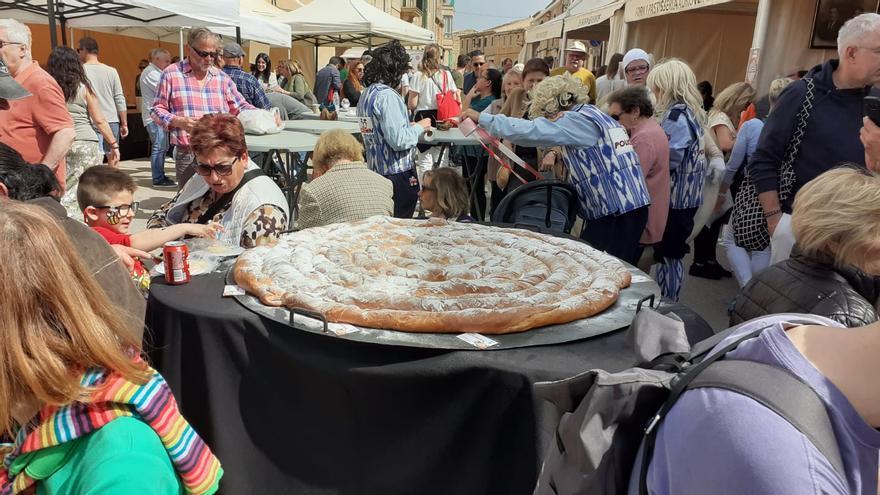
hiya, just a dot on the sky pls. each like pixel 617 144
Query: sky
pixel 483 14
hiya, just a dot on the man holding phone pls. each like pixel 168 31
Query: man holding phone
pixel 830 136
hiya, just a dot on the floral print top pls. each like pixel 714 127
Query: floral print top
pixel 263 224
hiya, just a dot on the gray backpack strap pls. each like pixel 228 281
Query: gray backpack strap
pixel 781 392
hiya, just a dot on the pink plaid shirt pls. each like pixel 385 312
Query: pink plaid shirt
pixel 181 95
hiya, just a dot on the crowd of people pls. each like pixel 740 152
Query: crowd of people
pixel 658 164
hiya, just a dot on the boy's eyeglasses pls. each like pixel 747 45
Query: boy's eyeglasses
pixel 222 169
pixel 121 210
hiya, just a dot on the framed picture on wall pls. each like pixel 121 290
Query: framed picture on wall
pixel 830 16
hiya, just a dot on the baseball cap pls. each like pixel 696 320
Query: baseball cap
pixel 232 50
pixel 9 87
pixel 577 46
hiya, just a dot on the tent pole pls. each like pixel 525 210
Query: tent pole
pixel 316 57
pixel 762 20
pixel 181 43
pixel 50 10
pixel 64 31
pixel 238 34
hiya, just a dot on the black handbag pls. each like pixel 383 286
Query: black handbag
pixel 750 230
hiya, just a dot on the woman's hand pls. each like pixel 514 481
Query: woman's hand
pixel 113 157
pixel 719 203
pixel 548 162
pixel 471 114
pixel 425 124
pixel 210 230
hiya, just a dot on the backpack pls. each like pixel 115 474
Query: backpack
pixel 608 417
pixel 447 106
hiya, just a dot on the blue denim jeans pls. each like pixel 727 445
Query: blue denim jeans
pixel 159 140
pixel 114 127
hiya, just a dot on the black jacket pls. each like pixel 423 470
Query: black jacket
pixel 809 285
pixel 831 137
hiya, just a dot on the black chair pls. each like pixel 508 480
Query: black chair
pixel 550 204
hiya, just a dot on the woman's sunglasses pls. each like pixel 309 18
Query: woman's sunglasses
pixel 221 169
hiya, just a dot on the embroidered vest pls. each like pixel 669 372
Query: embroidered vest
pixel 257 192
pixel 607 176
pixel 687 180
pixel 381 157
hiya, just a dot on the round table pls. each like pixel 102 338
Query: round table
pixel 289 170
pixel 320 126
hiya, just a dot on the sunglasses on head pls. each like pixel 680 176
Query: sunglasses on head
pixel 204 54
pixel 221 169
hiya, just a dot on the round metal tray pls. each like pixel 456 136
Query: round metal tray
pixel 616 317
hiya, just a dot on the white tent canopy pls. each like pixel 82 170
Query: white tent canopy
pixel 107 13
pixel 258 24
pixel 350 22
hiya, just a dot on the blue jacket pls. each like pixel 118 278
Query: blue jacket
pixel 831 137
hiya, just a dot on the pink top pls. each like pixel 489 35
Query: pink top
pixel 652 146
pixel 180 94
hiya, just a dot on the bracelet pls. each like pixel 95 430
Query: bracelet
pixel 773 213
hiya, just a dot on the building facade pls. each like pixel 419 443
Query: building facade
pixel 498 43
pixel 549 47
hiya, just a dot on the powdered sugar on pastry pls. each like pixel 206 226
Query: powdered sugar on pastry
pixel 429 276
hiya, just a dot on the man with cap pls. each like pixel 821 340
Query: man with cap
pixel 247 84
pixel 636 66
pixel 575 56
pixel 39 127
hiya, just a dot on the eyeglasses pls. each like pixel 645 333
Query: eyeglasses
pixel 615 116
pixel 4 43
pixel 121 210
pixel 638 69
pixel 204 54
pixel 222 169
pixel 478 64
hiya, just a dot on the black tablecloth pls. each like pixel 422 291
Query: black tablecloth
pixel 288 411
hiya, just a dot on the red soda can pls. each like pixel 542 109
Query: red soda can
pixel 176 263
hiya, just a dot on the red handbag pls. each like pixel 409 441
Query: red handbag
pixel 447 106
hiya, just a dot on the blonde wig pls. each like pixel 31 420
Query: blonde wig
pixel 837 214
pixel 56 320
pixel 734 99
pixel 672 81
pixel 557 93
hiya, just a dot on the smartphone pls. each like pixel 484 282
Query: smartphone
pixel 871 108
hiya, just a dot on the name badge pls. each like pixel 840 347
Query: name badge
pixel 366 124
pixel 620 140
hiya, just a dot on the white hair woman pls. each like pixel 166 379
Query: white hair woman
pixel 745 263
pixel 682 117
pixel 603 167
pixel 833 270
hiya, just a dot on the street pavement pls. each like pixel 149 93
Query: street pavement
pixel 709 298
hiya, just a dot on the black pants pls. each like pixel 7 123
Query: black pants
pixel 474 172
pixel 406 193
pixel 679 226
pixel 497 195
pixel 618 235
pixel 707 239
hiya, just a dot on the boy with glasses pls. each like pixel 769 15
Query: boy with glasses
pixel 106 198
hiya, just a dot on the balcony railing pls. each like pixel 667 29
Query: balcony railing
pixel 412 9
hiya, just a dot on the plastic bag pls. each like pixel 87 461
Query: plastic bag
pixel 259 122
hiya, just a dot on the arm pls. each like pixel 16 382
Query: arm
pixel 155 238
pixel 309 209
pixel 264 224
pixel 104 128
pixel 121 105
pixel 298 90
pixel 61 142
pixel 399 132
pixel 54 119
pixel 336 81
pixel 745 145
pixel 160 111
pixel 723 137
pixel 572 129
pixel 259 97
pixel 413 100
pixel 870 136
pixel 778 129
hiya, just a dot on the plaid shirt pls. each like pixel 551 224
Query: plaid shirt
pixel 181 95
pixel 248 86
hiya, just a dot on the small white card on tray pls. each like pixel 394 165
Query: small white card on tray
pixel 233 290
pixel 477 340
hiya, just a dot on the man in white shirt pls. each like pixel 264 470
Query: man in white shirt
pixel 107 87
pixel 149 83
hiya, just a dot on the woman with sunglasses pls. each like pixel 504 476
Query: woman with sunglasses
pixel 229 189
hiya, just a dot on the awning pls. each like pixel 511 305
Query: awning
pixel 547 31
pixel 258 24
pixel 350 23
pixel 86 14
pixel 579 17
pixel 639 10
